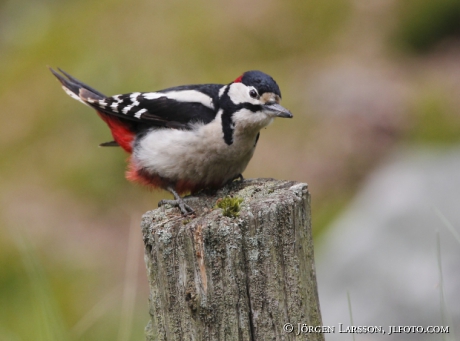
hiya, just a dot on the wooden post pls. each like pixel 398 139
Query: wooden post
pixel 244 277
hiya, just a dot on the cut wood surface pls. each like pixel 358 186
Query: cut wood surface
pixel 240 277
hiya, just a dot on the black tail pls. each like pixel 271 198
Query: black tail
pixel 74 85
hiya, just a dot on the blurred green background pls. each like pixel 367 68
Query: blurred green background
pixel 361 77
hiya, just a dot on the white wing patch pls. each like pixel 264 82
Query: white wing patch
pixel 133 98
pixel 183 96
pixel 139 113
pixel 102 103
pixel 127 108
pixel 134 95
pixel 114 107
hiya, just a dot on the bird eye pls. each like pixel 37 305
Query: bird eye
pixel 253 93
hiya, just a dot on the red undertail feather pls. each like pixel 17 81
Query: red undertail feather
pixel 154 181
pixel 120 131
pixel 140 176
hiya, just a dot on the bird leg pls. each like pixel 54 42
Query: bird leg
pixel 238 178
pixel 178 202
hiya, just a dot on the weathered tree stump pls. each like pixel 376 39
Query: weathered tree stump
pixel 217 277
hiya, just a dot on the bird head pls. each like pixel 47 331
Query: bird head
pixel 258 92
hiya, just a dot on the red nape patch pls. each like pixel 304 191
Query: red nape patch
pixel 238 80
pixel 120 131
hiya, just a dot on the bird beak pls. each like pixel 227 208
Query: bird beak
pixel 277 110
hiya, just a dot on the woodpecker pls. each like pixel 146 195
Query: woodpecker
pixel 186 138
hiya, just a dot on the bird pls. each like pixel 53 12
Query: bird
pixel 186 138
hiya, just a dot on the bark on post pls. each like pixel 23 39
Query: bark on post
pixel 233 278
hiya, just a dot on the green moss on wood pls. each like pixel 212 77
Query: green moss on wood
pixel 230 206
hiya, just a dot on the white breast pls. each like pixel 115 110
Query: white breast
pixel 199 155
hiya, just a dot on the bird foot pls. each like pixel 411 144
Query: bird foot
pixel 178 202
pixel 239 178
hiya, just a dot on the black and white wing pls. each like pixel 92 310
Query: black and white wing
pixel 175 107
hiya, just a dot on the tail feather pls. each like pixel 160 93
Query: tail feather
pixel 88 96
pixel 73 86
pixel 109 144
pixel 81 84
pixel 122 129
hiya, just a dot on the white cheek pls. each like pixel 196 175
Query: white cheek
pixel 239 93
pixel 246 120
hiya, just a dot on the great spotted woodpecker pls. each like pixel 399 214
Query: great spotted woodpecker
pixel 186 138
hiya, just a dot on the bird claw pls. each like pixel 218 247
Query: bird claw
pixel 180 203
pixel 239 178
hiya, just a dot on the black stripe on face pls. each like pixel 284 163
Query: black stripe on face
pixel 229 108
pixel 251 107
